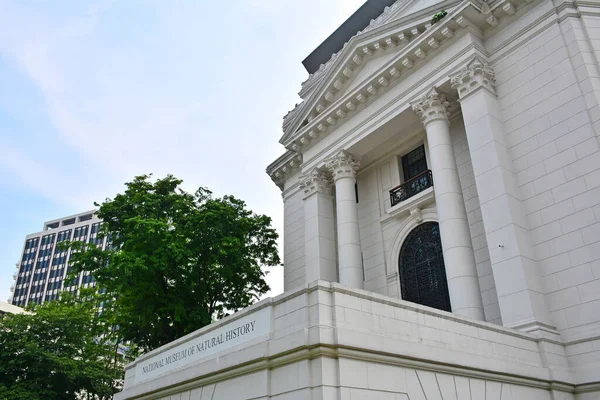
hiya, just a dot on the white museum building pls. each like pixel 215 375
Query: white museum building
pixel 441 189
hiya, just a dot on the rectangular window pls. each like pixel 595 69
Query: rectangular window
pixel 64 235
pixel 414 163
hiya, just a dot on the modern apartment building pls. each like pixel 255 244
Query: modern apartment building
pixel 43 268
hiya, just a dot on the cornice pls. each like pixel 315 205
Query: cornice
pixel 308 135
pixel 314 351
pixel 388 15
pixel 325 110
pixel 557 14
pixel 284 167
pixel 323 68
pixel 315 346
pixel 394 106
pixel 371 42
pixel 415 47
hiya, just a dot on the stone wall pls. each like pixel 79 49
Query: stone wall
pixel 473 208
pixel 293 239
pixel 331 342
pixel 545 85
pixel 371 239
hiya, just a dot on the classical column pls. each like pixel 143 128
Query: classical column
pixel 319 231
pixel 343 167
pixel 515 270
pixel 461 270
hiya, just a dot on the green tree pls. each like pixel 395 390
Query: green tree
pixel 177 260
pixel 56 352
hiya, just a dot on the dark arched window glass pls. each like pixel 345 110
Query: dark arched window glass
pixel 421 264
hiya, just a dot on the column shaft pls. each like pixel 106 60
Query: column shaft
pixel 516 273
pixel 319 233
pixel 461 270
pixel 343 167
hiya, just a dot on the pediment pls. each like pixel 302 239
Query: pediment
pixel 361 57
pixel 370 67
pixel 414 7
pixel 392 50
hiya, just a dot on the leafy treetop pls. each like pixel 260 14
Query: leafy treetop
pixel 176 260
pixel 56 352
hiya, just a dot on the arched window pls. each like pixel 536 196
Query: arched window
pixel 421 264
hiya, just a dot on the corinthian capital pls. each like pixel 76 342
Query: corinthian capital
pixel 315 182
pixel 433 106
pixel 476 74
pixel 343 165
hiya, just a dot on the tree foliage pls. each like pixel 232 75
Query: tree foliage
pixel 56 352
pixel 177 260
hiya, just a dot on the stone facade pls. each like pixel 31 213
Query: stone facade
pixel 504 98
pixel 327 341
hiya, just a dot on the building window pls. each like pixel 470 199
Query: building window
pixel 417 177
pixel 414 163
pixel 421 266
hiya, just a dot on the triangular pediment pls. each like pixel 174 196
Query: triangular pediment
pixel 362 57
pixel 414 7
pixel 370 67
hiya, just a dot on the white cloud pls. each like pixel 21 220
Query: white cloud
pixel 197 89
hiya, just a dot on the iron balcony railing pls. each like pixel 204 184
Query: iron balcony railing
pixel 411 187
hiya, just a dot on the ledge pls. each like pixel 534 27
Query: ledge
pixel 299 334
pixel 418 201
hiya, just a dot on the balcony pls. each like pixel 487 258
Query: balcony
pixel 411 187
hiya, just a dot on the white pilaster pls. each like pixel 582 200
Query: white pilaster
pixel 319 234
pixel 515 270
pixel 461 270
pixel 343 167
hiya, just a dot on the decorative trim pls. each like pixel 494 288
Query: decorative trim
pixel 397 104
pixel 290 190
pixel 343 165
pixel 423 31
pixel 463 23
pixel 418 201
pixel 311 352
pixel 284 167
pixel 475 75
pixel 432 107
pixel 419 47
pixel 428 215
pixel 315 182
pixel 390 14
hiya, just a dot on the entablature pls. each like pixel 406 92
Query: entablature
pixel 284 167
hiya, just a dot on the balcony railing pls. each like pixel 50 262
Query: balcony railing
pixel 411 187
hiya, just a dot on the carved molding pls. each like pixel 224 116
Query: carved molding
pixel 416 215
pixel 414 42
pixel 432 107
pixel 315 182
pixel 284 167
pixel 476 74
pixel 343 165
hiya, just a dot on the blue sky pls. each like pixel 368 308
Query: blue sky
pixel 93 93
